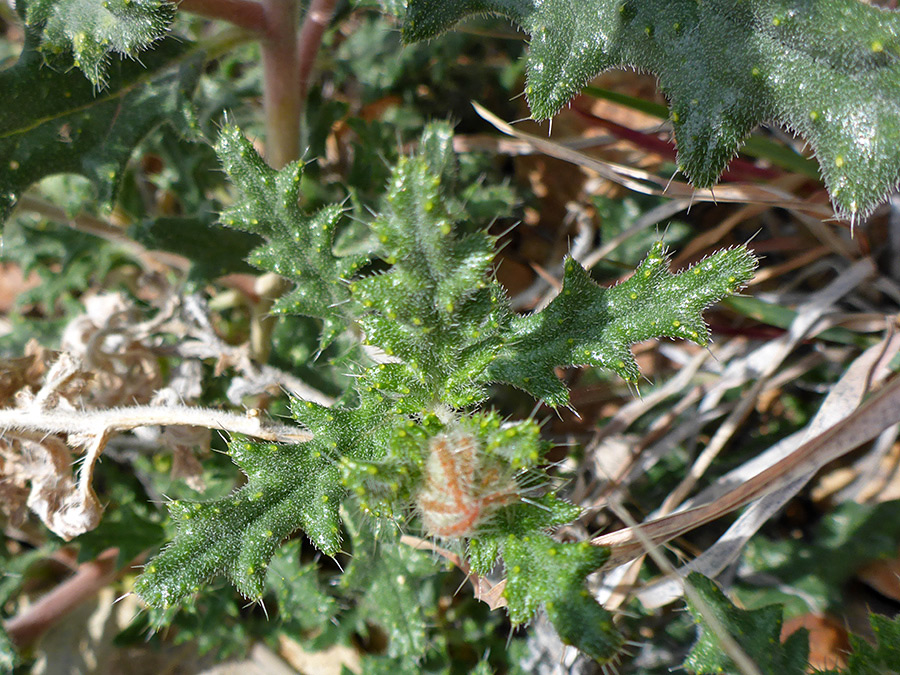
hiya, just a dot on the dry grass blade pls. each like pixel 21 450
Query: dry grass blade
pixel 807 316
pixel 844 396
pixel 864 424
pixel 727 641
pixel 648 183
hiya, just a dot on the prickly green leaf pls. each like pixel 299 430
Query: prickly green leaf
pixel 298 592
pixel 756 631
pixel 521 519
pixel 436 307
pixel 589 325
pixel 288 488
pixel 397 593
pixel 298 247
pixel 883 657
pixel 541 571
pixel 94 29
pixel 827 69
pixel 54 122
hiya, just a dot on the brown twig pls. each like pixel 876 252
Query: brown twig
pixel 100 228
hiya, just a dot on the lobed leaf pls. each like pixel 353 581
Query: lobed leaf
pixel 826 69
pixel 54 122
pixel 398 590
pixel 756 631
pixel 540 571
pixel 94 30
pixel 882 657
pixel 436 308
pixel 297 589
pixel 589 325
pixel 298 247
pixel 288 488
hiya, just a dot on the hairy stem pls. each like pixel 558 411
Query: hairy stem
pixel 96 422
pixel 81 510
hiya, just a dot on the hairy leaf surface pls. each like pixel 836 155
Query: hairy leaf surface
pixel 437 308
pixel 55 122
pixel 587 324
pixel 410 451
pixel 544 571
pixel 94 30
pixel 827 69
pixel 298 247
pixel 882 657
pixel 288 488
pixel 756 631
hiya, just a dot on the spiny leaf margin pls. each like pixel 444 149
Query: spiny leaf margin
pixel 298 247
pixel 438 312
pixel 586 324
pixel 289 488
pixel 827 69
pixel 756 631
pixel 94 30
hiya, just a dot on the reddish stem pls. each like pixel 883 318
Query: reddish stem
pixel 314 25
pixel 281 95
pixel 288 60
pixel 27 627
pixel 243 13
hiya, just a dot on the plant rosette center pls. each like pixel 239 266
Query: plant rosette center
pixel 461 488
